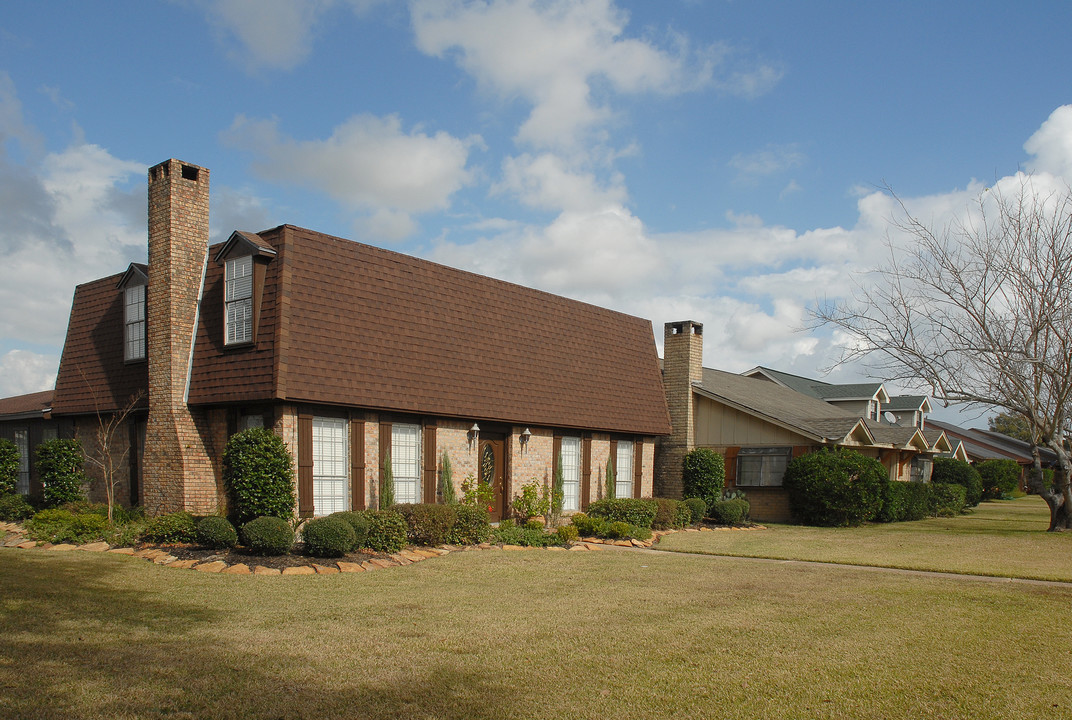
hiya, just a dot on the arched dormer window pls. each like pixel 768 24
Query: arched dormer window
pixel 244 257
pixel 132 286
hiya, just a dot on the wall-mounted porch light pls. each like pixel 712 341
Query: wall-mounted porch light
pixel 473 435
pixel 523 438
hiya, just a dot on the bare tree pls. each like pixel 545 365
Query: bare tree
pixel 980 312
pixel 110 452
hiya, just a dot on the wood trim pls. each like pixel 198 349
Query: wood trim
pixel 586 470
pixel 508 461
pixel 731 465
pixel 305 465
pixel 385 447
pixel 638 467
pixel 556 453
pixel 428 453
pixel 800 450
pixel 612 460
pixel 357 463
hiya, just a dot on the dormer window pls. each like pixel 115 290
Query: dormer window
pixel 238 300
pixel 134 316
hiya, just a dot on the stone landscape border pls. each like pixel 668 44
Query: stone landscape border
pixel 14 536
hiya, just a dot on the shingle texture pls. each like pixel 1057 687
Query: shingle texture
pixel 353 325
pixel 93 375
pixel 22 404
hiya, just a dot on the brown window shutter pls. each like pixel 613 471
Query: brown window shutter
pixel 586 471
pixel 731 465
pixel 429 453
pixel 638 466
pixel 305 465
pixel 613 459
pixel 556 453
pixel 385 447
pixel 357 464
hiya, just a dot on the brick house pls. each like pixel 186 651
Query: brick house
pixel 762 419
pixel 349 352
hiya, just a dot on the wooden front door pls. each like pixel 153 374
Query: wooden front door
pixel 492 472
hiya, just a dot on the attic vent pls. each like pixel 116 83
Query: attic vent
pixel 189 173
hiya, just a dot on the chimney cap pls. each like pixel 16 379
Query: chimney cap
pixel 679 327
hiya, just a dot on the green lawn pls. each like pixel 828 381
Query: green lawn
pixel 613 635
pixel 1004 539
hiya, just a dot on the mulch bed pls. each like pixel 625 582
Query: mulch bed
pixel 296 558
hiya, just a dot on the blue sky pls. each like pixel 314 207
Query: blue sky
pixel 704 159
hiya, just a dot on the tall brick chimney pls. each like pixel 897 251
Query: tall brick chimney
pixel 178 470
pixel 682 366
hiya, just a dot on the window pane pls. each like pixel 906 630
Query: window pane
pixel 331 482
pixel 762 467
pixel 239 278
pixel 571 473
pixel 406 462
pixel 623 471
pixel 240 321
pixel 134 314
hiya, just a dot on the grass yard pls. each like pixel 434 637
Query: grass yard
pixel 611 635
pixel 1005 539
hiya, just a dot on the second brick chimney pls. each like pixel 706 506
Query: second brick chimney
pixel 682 366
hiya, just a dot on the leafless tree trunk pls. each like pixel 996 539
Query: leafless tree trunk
pixel 104 456
pixel 979 312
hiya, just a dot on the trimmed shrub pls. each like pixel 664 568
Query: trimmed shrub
pixel 950 470
pixel 703 474
pixel 589 525
pixel 268 535
pixel 894 497
pixel 729 512
pixel 13 507
pixel 9 466
pixel 1000 478
pixel 671 514
pixel 259 473
pixel 472 525
pixel 63 526
pixel 59 463
pixel 595 526
pixel 567 533
pixel 427 524
pixel 618 529
pixel 328 537
pixel 634 511
pixel 509 533
pixel 698 509
pixel 217 533
pixel 358 523
pixel 948 499
pixel 176 527
pixel 835 488
pixel 387 531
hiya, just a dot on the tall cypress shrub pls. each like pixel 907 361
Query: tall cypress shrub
pixel 60 463
pixel 387 483
pixel 258 471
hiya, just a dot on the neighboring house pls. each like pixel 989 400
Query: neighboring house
pixel 974 445
pixel 350 353
pixel 761 420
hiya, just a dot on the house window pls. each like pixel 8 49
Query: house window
pixel 22 442
pixel 623 471
pixel 330 479
pixel 570 458
pixel 248 422
pixel 406 462
pixel 238 300
pixel 762 467
pixel 134 315
pixel 921 469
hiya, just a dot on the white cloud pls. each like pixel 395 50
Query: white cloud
pixel 1051 144
pixel 547 183
pixel 551 54
pixel 273 34
pixel 771 160
pixel 22 371
pixel 369 165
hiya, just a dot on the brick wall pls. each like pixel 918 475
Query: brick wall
pixel 534 463
pixel 452 437
pixel 182 447
pixel 682 366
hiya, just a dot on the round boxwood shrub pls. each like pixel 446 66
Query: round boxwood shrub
pixel 268 535
pixel 669 514
pixel 729 512
pixel 472 525
pixel 9 466
pixel 835 487
pixel 216 532
pixel 697 509
pixel 1000 478
pixel 176 527
pixel 567 533
pixel 259 473
pixel 703 474
pixel 59 463
pixel 13 507
pixel 951 470
pixel 948 499
pixel 328 537
pixel 358 523
pixel 387 531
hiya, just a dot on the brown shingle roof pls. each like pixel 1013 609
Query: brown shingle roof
pixel 92 374
pixel 30 404
pixel 351 324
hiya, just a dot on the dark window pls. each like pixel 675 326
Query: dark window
pixel 762 467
